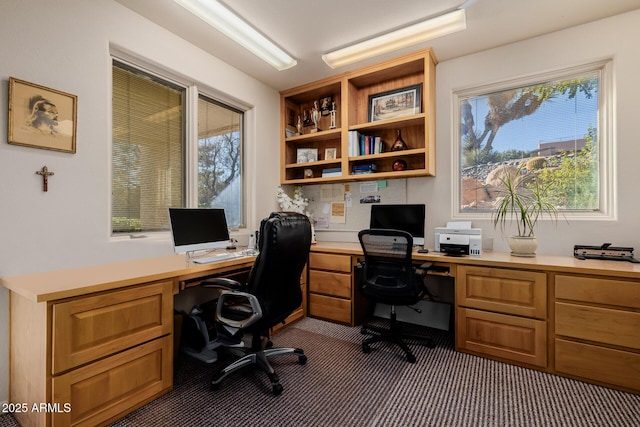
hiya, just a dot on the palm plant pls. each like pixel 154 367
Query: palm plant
pixel 522 198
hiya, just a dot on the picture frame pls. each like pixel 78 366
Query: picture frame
pixel 325 104
pixel 306 155
pixel 330 153
pixel 41 117
pixel 395 103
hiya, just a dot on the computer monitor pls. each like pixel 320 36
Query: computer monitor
pixel 198 229
pixel 409 218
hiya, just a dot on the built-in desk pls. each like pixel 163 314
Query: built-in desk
pixel 558 314
pixel 96 342
pixel 101 338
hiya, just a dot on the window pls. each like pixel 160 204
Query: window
pixel 220 159
pixel 150 164
pixel 549 126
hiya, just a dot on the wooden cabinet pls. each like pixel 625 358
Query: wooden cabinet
pixel 502 313
pixel 103 354
pixel 332 292
pixel 597 330
pixel 351 94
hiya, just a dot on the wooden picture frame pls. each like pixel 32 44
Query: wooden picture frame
pixel 330 153
pixel 306 155
pixel 41 117
pixel 395 103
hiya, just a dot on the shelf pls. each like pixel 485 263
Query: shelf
pixel 350 93
pixel 415 120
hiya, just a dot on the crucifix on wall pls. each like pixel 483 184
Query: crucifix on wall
pixel 45 173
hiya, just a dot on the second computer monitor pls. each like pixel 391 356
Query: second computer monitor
pixel 409 218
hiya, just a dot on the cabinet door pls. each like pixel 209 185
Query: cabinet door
pixel 518 292
pixel 508 337
pixel 107 389
pixel 86 329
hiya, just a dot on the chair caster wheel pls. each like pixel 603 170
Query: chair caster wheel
pixel 363 331
pixel 366 348
pixel 269 344
pixel 302 359
pixel 277 389
pixel 411 358
pixel 215 386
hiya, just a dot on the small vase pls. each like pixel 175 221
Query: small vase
pixel 523 246
pixel 399 144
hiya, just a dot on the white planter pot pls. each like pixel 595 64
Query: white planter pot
pixel 523 246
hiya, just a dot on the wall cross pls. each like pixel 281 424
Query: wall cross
pixel 45 177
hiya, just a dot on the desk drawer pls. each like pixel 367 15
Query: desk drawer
pixel 89 328
pixel 611 366
pixel 604 325
pixel 621 293
pixel 328 283
pixel 107 389
pixel 508 337
pixel 330 308
pixel 522 293
pixel 331 262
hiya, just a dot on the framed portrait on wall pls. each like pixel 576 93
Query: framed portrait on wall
pixel 41 117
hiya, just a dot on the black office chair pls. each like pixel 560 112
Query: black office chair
pixel 272 293
pixel 389 277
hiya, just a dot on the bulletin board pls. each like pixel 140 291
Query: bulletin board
pixel 357 197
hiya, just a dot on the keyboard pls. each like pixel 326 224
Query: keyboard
pixel 222 256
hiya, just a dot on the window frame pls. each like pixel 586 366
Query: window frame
pixel 193 90
pixel 605 135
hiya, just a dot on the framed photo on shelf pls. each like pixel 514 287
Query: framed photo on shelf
pixel 330 153
pixel 395 103
pixel 325 105
pixel 41 117
pixel 306 155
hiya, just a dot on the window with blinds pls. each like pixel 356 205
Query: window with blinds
pixel 148 150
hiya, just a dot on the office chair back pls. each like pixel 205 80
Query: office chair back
pixel 284 244
pixel 388 274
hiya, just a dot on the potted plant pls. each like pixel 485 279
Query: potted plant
pixel 522 198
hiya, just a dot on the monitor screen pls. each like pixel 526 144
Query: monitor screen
pixel 409 218
pixel 198 229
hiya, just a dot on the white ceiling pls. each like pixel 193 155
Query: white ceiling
pixel 306 29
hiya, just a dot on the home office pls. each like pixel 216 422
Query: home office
pixel 69 225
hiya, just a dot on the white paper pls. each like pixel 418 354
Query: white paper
pixel 459 225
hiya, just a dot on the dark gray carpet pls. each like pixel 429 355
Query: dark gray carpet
pixel 341 386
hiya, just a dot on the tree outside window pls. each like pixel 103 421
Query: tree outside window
pixel 548 129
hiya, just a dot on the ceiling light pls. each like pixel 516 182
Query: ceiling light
pixel 408 36
pixel 224 20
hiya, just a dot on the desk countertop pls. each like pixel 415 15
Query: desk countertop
pixel 54 285
pixel 551 263
pixel 72 282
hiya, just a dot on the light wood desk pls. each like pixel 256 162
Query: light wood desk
pixel 98 339
pixel 558 314
pixel 101 338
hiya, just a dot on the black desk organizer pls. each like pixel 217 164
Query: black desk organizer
pixel 605 252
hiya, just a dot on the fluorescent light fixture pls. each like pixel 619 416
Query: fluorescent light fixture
pixel 408 36
pixel 224 20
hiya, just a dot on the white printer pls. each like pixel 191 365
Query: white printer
pixel 459 238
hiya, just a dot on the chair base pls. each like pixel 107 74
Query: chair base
pixel 394 335
pixel 258 359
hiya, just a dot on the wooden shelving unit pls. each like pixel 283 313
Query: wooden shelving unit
pixel 351 92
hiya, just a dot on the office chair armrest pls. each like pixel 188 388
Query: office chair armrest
pixel 237 295
pixel 222 283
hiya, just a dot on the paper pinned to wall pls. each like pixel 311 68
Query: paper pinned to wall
pixel 369 187
pixel 332 192
pixel 338 213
